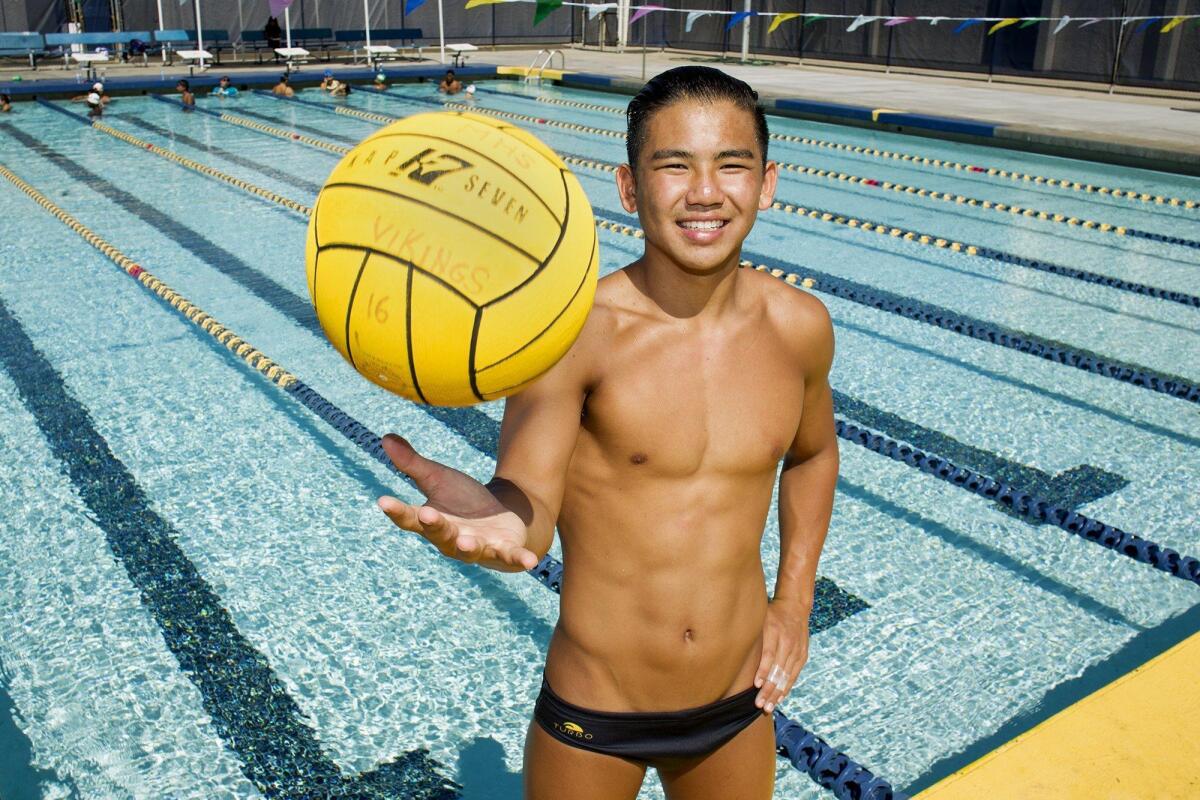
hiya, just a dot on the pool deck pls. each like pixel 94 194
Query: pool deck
pixel 1136 735
pixel 1129 129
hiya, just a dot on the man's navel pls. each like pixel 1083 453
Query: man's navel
pixel 638 458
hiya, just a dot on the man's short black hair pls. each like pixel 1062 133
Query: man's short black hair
pixel 183 82
pixel 704 84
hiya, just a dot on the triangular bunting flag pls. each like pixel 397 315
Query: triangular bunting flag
pixel 412 5
pixel 276 7
pixel 476 3
pixel 1147 24
pixel 1031 21
pixel 779 20
pixel 810 18
pixel 596 9
pixel 966 24
pixel 1093 21
pixel 543 9
pixel 859 21
pixel 691 19
pixel 935 20
pixel 1062 23
pixel 894 21
pixel 1004 23
pixel 1173 24
pixel 738 17
pixel 643 11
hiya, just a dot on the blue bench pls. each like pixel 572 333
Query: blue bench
pixel 354 40
pixel 313 39
pixel 168 41
pixel 24 45
pixel 215 40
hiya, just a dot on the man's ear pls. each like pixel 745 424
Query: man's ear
pixel 770 181
pixel 627 188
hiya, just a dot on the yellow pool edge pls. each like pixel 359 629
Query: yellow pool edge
pixel 1136 738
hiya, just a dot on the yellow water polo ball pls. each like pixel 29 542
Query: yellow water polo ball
pixel 452 258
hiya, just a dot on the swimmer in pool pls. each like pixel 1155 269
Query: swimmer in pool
pixel 654 446
pixel 187 98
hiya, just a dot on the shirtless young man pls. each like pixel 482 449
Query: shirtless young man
pixel 654 444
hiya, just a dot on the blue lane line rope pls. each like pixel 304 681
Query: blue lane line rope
pixel 1027 505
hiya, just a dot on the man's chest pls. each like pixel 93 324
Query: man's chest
pixel 684 405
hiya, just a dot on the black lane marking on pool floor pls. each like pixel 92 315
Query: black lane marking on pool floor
pixel 249 706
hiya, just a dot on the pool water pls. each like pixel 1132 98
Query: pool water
pixel 201 599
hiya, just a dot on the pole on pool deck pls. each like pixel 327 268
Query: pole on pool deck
pixel 162 50
pixel 441 34
pixel 287 21
pixel 746 33
pixel 367 23
pixel 199 34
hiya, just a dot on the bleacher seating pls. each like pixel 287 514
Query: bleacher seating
pixel 23 45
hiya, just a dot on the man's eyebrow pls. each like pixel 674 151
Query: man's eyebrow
pixel 662 154
pixel 734 154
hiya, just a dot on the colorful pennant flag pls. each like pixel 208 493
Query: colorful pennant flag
pixel 1062 23
pixel 643 11
pixel 738 17
pixel 859 21
pixel 543 9
pixel 935 20
pixel 1031 21
pixel 1004 23
pixel 779 20
pixel 691 19
pixel 811 18
pixel 967 24
pixel 277 6
pixel 1094 20
pixel 476 3
pixel 1147 24
pixel 1173 24
pixel 412 5
pixel 894 21
pixel 596 9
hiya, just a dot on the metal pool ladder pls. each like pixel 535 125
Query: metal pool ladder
pixel 550 54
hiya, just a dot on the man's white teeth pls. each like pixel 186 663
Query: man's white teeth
pixel 703 225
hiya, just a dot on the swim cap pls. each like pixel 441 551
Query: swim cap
pixel 380 77
pixel 471 89
pixel 93 99
pixel 328 73
pixel 98 87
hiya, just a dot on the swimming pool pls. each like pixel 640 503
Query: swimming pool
pixel 202 600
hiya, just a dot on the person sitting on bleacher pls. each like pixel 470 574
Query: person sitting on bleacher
pixel 450 84
pixel 282 89
pixel 225 88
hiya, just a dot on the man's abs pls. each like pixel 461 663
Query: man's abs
pixel 657 642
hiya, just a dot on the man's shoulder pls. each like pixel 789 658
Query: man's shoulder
pixel 799 318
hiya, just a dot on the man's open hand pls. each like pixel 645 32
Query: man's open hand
pixel 461 517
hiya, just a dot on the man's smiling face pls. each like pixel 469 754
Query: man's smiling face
pixel 698 183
